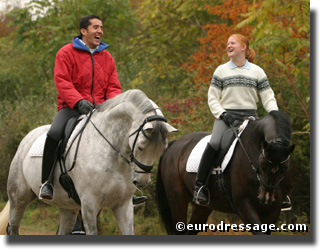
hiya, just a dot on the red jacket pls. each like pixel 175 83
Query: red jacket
pixel 80 75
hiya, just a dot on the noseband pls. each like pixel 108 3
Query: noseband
pixel 264 185
pixel 146 169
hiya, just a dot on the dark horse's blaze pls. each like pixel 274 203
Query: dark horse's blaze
pixel 257 194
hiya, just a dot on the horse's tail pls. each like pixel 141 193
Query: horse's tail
pixel 162 200
pixel 4 219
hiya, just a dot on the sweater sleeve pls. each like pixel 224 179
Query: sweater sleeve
pixel 62 78
pixel 266 93
pixel 214 96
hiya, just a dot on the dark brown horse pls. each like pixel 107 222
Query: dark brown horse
pixel 256 189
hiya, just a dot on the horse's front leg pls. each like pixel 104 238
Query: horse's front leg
pixel 89 213
pixel 249 214
pixel 67 221
pixel 124 217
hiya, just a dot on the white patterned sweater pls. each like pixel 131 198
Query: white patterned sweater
pixel 237 88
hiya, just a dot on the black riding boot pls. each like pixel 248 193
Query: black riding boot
pixel 208 158
pixel 48 160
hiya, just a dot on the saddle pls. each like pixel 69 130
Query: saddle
pixel 227 146
pixel 71 130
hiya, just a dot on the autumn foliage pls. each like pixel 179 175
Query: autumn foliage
pixel 212 51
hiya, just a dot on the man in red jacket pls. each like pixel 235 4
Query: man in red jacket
pixel 85 75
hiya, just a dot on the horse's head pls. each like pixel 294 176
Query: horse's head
pixel 150 143
pixel 274 162
pixel 147 143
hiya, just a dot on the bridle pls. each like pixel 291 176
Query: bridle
pixel 271 161
pixel 264 185
pixel 257 170
pixel 146 168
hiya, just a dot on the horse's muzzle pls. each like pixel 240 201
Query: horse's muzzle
pixel 266 197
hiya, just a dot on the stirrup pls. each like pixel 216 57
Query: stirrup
pixel 196 198
pixel 289 207
pixel 42 186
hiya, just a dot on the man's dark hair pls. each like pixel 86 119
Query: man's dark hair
pixel 85 22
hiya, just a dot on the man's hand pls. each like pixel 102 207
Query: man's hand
pixel 84 106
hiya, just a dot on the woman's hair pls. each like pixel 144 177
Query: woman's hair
pixel 245 41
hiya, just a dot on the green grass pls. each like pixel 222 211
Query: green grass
pixel 42 219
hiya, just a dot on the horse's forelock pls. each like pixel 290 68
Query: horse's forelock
pixel 158 137
pixel 161 129
pixel 277 152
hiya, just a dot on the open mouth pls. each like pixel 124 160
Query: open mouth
pixel 97 38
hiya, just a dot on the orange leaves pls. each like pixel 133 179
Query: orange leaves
pixel 212 49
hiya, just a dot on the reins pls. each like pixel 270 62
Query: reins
pixel 263 183
pixel 113 147
pixel 146 169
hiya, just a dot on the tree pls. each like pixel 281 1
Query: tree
pixel 212 51
pixel 201 64
pixel 282 40
pixel 46 25
pixel 166 36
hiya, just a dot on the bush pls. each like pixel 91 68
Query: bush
pixel 17 118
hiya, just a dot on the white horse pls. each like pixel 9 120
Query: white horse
pixel 119 145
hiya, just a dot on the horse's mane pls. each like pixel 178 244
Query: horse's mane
pixel 143 104
pixel 283 126
pixel 135 96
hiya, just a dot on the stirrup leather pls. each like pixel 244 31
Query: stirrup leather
pixel 196 196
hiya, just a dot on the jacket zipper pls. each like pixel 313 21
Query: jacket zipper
pixel 93 101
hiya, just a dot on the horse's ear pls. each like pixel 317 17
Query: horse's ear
pixel 170 128
pixel 292 148
pixel 158 111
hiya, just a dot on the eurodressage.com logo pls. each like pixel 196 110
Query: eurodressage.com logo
pixel 223 227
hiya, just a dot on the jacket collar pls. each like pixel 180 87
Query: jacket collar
pixel 77 44
pixel 233 66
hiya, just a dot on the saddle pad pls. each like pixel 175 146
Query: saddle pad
pixel 197 152
pixel 38 146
